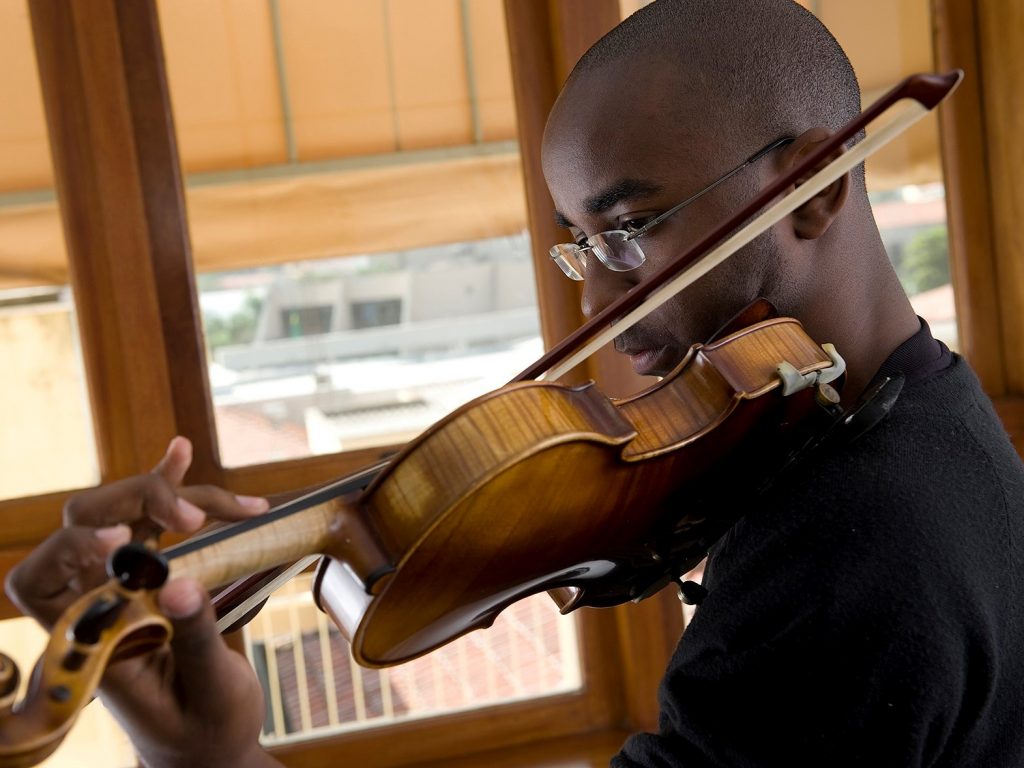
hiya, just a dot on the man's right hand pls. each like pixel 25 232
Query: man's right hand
pixel 194 702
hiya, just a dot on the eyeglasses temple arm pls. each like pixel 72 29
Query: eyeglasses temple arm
pixel 752 159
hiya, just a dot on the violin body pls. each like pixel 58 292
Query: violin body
pixel 539 486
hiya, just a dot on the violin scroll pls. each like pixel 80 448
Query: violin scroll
pixel 117 620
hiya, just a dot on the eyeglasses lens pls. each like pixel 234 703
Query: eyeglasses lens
pixel 569 259
pixel 612 249
pixel 616 252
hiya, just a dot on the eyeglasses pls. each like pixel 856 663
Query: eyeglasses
pixel 618 249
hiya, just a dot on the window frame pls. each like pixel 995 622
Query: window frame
pixel 141 331
pixel 112 139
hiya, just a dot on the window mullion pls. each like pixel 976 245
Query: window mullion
pixel 116 168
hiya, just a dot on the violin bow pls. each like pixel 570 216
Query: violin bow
pixel 921 94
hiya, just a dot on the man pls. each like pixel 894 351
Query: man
pixel 866 610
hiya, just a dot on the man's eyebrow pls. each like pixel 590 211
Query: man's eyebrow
pixel 624 189
pixel 561 221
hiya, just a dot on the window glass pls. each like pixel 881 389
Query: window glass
pixel 904 179
pixel 359 240
pixel 912 221
pixel 358 225
pixel 339 354
pixel 314 688
pixel 46 443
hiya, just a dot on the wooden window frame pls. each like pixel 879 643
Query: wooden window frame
pixel 983 158
pixel 122 205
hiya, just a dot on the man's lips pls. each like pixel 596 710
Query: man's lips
pixel 647 362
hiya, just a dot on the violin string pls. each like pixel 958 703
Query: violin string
pixel 216 535
pixel 228 619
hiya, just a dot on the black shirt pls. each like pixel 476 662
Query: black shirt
pixel 869 611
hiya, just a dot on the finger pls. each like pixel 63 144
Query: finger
pixel 205 667
pixel 198 701
pixel 66 565
pixel 184 601
pixel 134 500
pixel 176 461
pixel 221 504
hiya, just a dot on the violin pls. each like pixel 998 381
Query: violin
pixel 534 487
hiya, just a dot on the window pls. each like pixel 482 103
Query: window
pixel 371 314
pixel 314 687
pixel 304 321
pixel 362 271
pixel 47 441
pixel 140 404
pixel 905 182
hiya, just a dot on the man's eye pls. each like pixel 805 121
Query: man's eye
pixel 633 225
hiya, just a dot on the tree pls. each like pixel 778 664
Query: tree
pixel 925 264
pixel 239 328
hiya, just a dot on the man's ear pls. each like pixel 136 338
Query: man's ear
pixel 811 220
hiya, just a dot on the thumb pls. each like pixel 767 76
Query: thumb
pixel 175 463
pixel 183 602
pixel 204 665
pixel 210 705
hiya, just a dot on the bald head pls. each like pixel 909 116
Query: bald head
pixel 763 68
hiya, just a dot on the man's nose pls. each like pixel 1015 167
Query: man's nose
pixel 601 287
